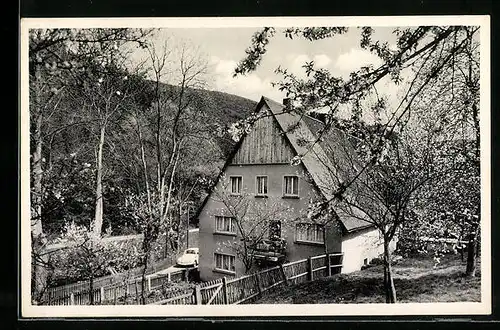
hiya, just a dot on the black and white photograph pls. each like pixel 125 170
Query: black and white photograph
pixel 249 166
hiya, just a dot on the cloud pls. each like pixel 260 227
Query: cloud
pixel 297 61
pixel 355 59
pixel 251 86
pixel 321 61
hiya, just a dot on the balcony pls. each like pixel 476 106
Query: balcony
pixel 269 252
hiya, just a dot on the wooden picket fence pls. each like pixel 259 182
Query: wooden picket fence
pixel 243 289
pixel 115 292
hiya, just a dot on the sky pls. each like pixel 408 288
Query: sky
pixel 223 48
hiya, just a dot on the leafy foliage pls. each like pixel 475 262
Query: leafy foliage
pixel 86 256
pixel 407 150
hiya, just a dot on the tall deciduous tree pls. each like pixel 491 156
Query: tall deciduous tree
pixel 169 125
pixel 452 103
pixel 57 54
pixel 103 91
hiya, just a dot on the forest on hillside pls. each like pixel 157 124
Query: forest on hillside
pixel 118 148
pixel 101 117
pixel 68 157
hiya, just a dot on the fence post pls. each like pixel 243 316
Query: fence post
pixel 197 294
pixel 224 290
pixel 284 275
pixel 149 283
pixel 168 278
pixel 102 294
pixel 309 269
pixel 329 264
pixel 71 298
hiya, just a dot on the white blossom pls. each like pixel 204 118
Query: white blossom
pixel 296 160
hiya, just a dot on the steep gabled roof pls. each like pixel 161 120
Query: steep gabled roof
pixel 334 152
pixel 331 152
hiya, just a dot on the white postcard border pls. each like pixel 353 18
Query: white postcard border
pixel 466 308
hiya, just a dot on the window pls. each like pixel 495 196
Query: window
pixel 310 232
pixel 224 262
pixel 291 186
pixel 225 224
pixel 236 184
pixel 261 185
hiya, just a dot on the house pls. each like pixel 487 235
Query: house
pixel 261 163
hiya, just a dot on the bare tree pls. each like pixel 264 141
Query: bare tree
pixel 169 124
pixel 145 209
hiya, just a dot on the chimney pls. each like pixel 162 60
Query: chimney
pixel 288 103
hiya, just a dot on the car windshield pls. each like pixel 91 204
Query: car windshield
pixel 190 251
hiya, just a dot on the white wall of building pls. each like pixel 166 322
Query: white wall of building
pixel 358 246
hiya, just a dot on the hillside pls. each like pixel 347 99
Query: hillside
pixel 417 279
pixel 225 109
pixel 69 174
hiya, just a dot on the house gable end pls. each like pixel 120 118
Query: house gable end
pixel 265 143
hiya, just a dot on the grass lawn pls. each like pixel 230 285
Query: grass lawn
pixel 415 279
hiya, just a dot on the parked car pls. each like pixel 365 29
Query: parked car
pixel 189 257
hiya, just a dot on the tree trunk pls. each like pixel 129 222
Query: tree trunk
pixel 143 279
pixel 38 271
pixel 179 226
pixel 460 244
pixel 91 289
pixel 390 290
pixel 98 190
pixel 187 227
pixel 385 274
pixel 470 270
pixel 168 224
pixel 145 169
